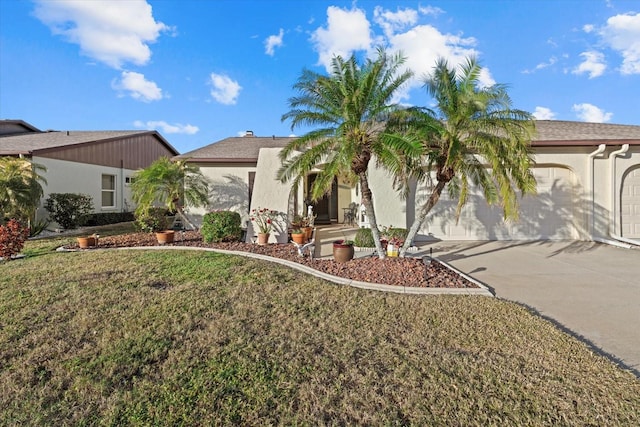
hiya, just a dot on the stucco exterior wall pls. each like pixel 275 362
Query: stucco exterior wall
pixel 72 177
pixel 270 193
pixel 229 188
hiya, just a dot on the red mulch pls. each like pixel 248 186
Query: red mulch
pixel 410 272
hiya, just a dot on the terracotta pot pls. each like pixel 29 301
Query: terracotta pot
pixel 166 236
pixel 308 231
pixel 86 242
pixel 299 238
pixel 263 238
pixel 342 252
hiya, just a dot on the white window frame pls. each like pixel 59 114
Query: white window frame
pixel 107 190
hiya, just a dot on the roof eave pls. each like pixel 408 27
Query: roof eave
pixel 584 143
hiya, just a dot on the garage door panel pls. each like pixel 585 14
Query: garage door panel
pixel 550 214
pixel 630 204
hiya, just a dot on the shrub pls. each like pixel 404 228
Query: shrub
pixel 364 238
pixel 106 218
pixel 38 227
pixel 151 219
pixel 68 209
pixel 398 235
pixel 12 237
pixel 221 226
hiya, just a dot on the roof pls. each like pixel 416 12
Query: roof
pixel 559 133
pixel 565 133
pixel 243 149
pixel 10 127
pixel 30 143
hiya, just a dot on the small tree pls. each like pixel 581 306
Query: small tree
pixel 351 107
pixel 473 137
pixel 171 184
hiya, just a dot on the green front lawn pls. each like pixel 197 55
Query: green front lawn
pixel 133 337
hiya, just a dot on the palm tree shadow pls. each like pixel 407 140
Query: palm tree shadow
pixel 230 193
pixel 561 213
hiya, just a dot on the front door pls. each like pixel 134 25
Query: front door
pixel 325 206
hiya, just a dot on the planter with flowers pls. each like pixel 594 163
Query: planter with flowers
pixel 264 220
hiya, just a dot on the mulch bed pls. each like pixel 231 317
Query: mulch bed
pixel 410 272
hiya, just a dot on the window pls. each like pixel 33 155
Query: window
pixel 108 191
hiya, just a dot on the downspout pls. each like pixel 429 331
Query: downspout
pixel 624 242
pixel 592 190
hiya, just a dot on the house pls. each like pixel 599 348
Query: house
pixel 97 163
pixel 588 178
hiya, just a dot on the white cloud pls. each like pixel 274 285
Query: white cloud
pixel 391 22
pixel 424 44
pixel 138 87
pixel 224 90
pixel 542 65
pixel 165 127
pixel 622 33
pixel 591 113
pixel 112 32
pixel 430 10
pixel 544 113
pixel 587 28
pixel 593 63
pixel 346 31
pixel 272 42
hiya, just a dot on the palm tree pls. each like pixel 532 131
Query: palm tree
pixel 20 188
pixel 351 107
pixel 473 137
pixel 171 184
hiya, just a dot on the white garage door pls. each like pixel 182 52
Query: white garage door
pixel 630 205
pixel 551 214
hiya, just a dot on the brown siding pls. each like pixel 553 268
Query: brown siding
pixel 135 152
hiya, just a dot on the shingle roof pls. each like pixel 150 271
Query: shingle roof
pixel 559 133
pixel 33 142
pixel 236 149
pixel 549 133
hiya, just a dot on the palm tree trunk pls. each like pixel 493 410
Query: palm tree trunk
pixel 367 201
pixel 424 211
pixel 185 218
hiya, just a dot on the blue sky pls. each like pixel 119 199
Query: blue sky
pixel 199 71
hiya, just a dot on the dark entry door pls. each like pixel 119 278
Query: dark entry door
pixel 324 206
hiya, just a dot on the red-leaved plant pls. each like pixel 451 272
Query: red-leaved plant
pixel 12 238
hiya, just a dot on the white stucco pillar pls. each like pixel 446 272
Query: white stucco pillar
pixel 270 193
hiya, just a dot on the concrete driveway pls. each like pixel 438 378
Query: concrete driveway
pixel 591 289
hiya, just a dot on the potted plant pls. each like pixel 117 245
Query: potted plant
pixel 307 225
pixel 298 236
pixel 165 236
pixel 87 242
pixel 264 219
pixel 343 250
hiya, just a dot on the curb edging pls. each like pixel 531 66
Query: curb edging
pixel 481 290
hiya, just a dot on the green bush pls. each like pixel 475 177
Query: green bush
pixel 220 226
pixel 151 219
pixel 107 218
pixel 70 210
pixel 364 238
pixel 396 233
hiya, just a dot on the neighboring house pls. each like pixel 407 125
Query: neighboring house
pixel 588 188
pixel 97 163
